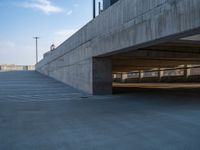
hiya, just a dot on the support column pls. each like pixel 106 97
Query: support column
pixel 124 77
pixel 102 76
pixel 114 76
pixel 186 72
pixel 141 75
pixel 160 74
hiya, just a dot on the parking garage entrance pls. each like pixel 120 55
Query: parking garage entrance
pixel 165 66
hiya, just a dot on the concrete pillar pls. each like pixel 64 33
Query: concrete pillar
pixel 124 77
pixel 114 76
pixel 160 74
pixel 141 75
pixel 186 72
pixel 102 76
pixel 118 75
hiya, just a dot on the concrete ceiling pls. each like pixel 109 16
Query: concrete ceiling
pixel 170 54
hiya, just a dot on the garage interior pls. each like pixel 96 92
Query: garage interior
pixel 169 65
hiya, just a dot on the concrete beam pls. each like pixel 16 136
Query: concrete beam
pixel 159 54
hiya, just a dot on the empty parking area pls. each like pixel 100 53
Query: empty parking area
pixel 39 113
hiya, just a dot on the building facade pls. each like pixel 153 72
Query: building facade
pixel 12 67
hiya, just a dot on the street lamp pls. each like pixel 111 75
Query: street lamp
pixel 36 46
pixel 94 9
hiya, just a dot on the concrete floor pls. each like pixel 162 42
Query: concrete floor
pixel 158 85
pixel 39 113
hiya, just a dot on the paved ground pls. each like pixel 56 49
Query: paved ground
pixel 38 113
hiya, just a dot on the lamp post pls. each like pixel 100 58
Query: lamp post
pixel 36 46
pixel 94 9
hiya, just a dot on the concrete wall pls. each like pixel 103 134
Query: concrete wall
pixel 128 24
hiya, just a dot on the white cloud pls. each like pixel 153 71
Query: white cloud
pixel 69 13
pixel 43 5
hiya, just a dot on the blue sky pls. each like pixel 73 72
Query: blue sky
pixel 52 20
